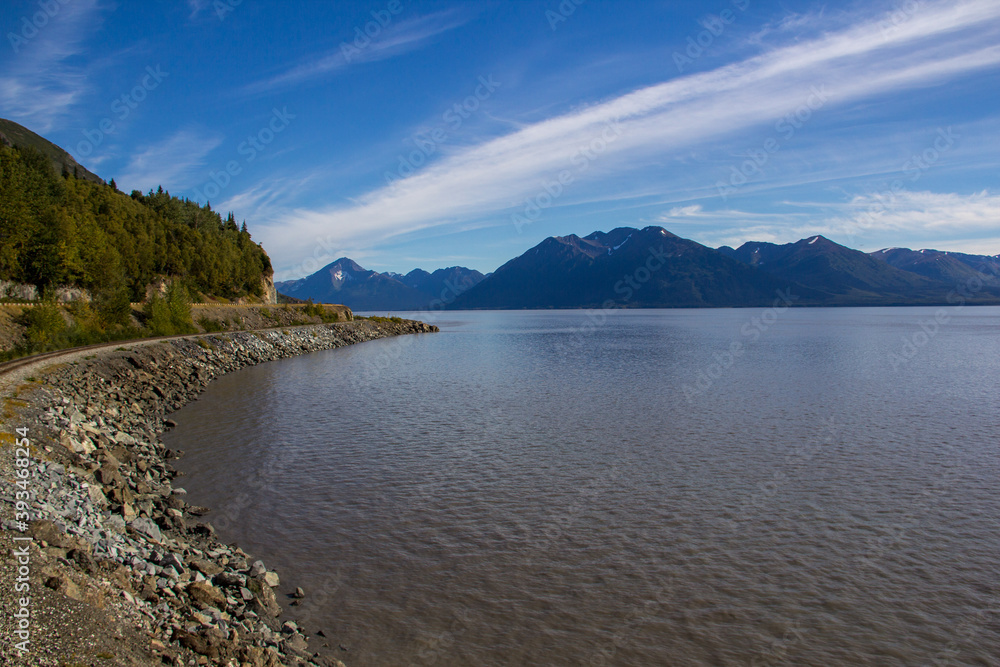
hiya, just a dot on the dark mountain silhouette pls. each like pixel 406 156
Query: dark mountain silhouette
pixel 344 281
pixel 444 284
pixel 846 276
pixel 652 268
pixel 626 267
pixel 955 268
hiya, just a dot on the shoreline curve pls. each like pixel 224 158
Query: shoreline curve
pixel 121 568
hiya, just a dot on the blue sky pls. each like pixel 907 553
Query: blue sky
pixel 411 134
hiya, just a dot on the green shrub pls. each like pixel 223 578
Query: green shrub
pixel 170 316
pixel 46 328
pixel 179 306
pixel 319 310
pixel 158 316
pixel 113 307
pixel 312 309
pixel 210 325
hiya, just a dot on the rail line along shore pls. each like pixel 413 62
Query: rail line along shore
pixel 104 563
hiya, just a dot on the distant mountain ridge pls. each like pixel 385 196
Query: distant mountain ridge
pixel 951 267
pixel 626 267
pixel 443 284
pixel 844 275
pixel 610 269
pixel 653 268
pixel 345 281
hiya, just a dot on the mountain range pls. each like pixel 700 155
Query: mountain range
pixel 653 268
pixel 949 267
pixel 344 281
pixel 639 268
pixel 840 274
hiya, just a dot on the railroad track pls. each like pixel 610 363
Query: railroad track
pixel 32 304
pixel 14 364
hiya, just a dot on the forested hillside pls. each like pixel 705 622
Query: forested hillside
pixel 58 230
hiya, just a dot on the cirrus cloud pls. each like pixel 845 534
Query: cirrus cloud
pixel 492 178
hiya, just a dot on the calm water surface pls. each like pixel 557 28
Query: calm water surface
pixel 556 488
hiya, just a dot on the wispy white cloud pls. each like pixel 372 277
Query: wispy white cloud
pixel 922 213
pixel 692 211
pixel 943 41
pixel 869 221
pixel 174 162
pixel 734 227
pixel 792 22
pixel 271 196
pixel 979 246
pixel 695 214
pixel 396 39
pixel 38 85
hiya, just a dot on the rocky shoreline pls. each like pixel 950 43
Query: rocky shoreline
pixel 121 570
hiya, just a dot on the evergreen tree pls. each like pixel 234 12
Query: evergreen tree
pixel 56 231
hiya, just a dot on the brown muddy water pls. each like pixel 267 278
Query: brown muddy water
pixel 565 488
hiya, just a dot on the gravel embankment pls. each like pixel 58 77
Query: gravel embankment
pixel 120 570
